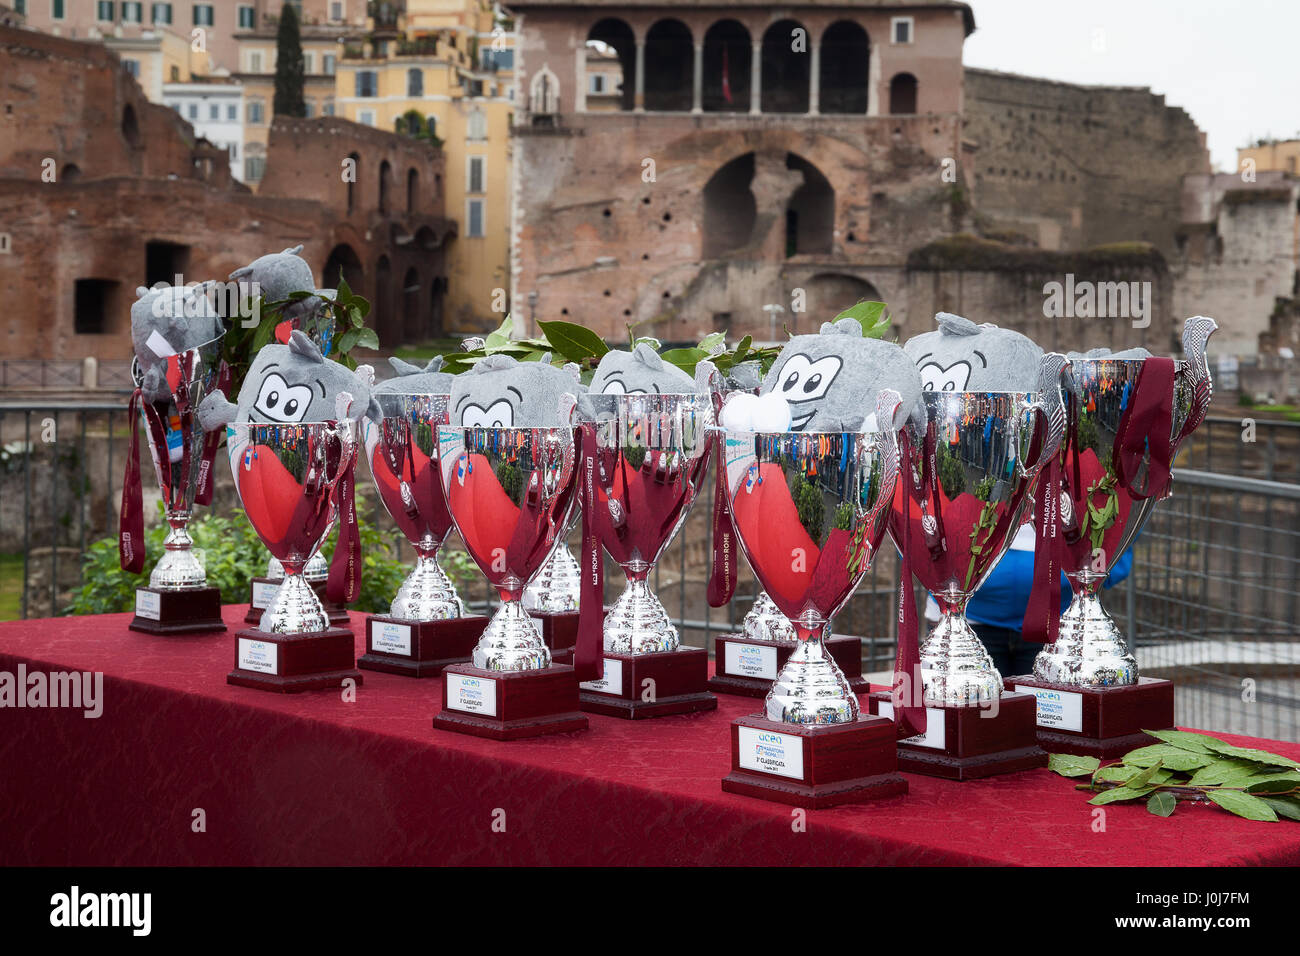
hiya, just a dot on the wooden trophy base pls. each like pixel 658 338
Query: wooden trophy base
pixel 814 765
pixel 289 663
pixel 651 685
pixel 967 743
pixel 261 592
pixel 183 611
pixel 509 705
pixel 747 666
pixel 419 648
pixel 1099 722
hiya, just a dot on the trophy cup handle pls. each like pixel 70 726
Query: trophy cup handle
pixel 1196 336
pixel 709 381
pixel 888 402
pixel 1049 402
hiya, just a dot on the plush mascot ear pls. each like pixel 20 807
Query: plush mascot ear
pixel 572 369
pixel 301 345
pixel 435 364
pixel 648 356
pixel 241 272
pixel 403 368
pixel 293 250
pixel 215 411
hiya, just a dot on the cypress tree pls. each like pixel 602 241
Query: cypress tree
pixel 288 66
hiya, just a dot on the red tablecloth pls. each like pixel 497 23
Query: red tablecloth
pixel 310 779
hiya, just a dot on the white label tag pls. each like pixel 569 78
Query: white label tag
pixel 750 660
pixel 260 656
pixel 936 732
pixel 474 695
pixel 770 752
pixel 158 345
pixel 264 594
pixel 611 683
pixel 391 638
pixel 1057 709
pixel 148 604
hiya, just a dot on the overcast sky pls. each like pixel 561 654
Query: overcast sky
pixel 1232 64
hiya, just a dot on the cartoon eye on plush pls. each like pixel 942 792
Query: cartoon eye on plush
pixel 497 415
pixel 803 380
pixel 616 387
pixel 936 378
pixel 278 401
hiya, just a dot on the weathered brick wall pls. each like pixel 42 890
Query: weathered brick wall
pixel 1076 166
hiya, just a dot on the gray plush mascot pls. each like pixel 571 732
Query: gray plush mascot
pixel 166 320
pixel 502 392
pixel 279 274
pixel 641 371
pixel 411 379
pixel 964 357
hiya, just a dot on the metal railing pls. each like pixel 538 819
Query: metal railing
pixel 1212 601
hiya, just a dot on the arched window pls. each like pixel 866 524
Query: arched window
pixel 729 208
pixel 544 92
pixel 411 302
pixel 902 94
pixel 385 181
pixel 669 66
pixel 842 81
pixel 727 55
pixel 611 55
pixel 343 263
pixel 412 189
pixel 383 303
pixel 353 171
pixel 477 125
pixel 785 68
pixel 130 126
pixel 810 213
pixel 414 82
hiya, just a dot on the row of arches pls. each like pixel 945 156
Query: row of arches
pixel 387 197
pixel 409 312
pixel 786 71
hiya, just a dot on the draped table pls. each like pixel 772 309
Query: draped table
pixel 182 769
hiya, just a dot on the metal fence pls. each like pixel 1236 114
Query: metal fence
pixel 1212 601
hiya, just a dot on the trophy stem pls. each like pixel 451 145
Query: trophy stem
pixel 427 594
pixel 1090 650
pixel 556 587
pixel 638 623
pixel 296 608
pixel 179 567
pixel 511 642
pixel 811 688
pixel 765 621
pixel 955 667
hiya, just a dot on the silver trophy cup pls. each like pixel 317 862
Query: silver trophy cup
pixel 972 470
pixel 651 456
pixel 1101 511
pixel 810 510
pixel 511 493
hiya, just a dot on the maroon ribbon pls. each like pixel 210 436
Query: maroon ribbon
pixel 130 530
pixel 722 579
pixel 1144 430
pixel 1043 612
pixel 588 652
pixel 909 718
pixel 344 583
pixel 211 441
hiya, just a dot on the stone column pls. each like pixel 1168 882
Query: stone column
pixel 814 78
pixel 638 101
pixel 756 79
pixel 697 81
pixel 580 80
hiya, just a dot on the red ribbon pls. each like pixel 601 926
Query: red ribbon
pixel 344 583
pixel 211 441
pixel 1043 613
pixel 130 530
pixel 722 580
pixel 588 652
pixel 909 717
pixel 1145 430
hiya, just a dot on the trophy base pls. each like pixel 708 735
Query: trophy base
pixel 261 592
pixel 967 743
pixel 509 705
pixel 1100 722
pixel 291 663
pixel 636 686
pixel 559 633
pixel 183 611
pixel 747 666
pixel 419 648
pixel 814 765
